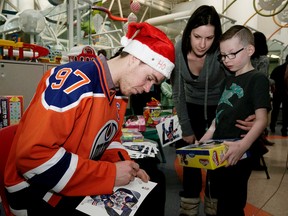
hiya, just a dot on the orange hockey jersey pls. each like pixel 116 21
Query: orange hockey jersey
pixel 69 137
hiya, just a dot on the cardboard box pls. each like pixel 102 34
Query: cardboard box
pixel 136 122
pixel 131 135
pixel 206 156
pixel 11 110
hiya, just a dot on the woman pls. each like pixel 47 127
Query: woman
pixel 260 62
pixel 196 84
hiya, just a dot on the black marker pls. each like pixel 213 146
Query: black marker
pixel 121 156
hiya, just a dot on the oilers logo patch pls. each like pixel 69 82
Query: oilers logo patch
pixel 103 138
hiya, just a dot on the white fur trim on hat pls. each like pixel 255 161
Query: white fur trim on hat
pixel 149 56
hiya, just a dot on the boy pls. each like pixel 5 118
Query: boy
pixel 244 93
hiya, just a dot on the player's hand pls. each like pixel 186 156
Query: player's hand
pixel 126 171
pixel 143 175
pixel 189 139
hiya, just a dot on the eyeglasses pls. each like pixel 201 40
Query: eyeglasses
pixel 229 56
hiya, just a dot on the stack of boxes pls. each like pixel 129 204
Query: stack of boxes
pixel 11 110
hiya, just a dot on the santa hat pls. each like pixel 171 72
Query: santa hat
pixel 151 46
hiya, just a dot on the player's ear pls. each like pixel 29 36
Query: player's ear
pixel 134 61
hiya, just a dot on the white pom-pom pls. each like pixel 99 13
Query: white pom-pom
pixel 124 41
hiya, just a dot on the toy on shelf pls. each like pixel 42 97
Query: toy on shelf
pixel 53 57
pixel 131 135
pixel 137 122
pixel 82 53
pixel 19 50
pixel 152 112
pixel 11 109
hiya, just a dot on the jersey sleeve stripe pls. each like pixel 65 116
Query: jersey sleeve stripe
pixel 68 174
pixel 47 165
pixel 17 187
pixel 54 175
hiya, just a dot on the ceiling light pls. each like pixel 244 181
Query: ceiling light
pixel 274 56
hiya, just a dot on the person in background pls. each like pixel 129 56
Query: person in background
pixel 244 93
pixel 280 95
pixel 166 95
pixel 67 144
pixel 260 61
pixel 196 82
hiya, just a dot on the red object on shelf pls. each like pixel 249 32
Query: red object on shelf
pixel 153 103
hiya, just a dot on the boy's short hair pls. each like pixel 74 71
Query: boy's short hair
pixel 244 34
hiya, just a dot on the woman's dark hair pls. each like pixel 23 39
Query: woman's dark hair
pixel 261 47
pixel 203 15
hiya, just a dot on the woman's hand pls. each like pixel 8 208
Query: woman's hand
pixel 247 124
pixel 189 139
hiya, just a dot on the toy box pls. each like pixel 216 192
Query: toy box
pixel 137 122
pixel 131 135
pixel 11 110
pixel 152 113
pixel 207 156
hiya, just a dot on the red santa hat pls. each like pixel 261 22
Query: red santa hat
pixel 151 46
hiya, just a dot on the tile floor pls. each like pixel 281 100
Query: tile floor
pixel 266 197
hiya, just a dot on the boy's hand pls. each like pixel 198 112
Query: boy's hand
pixel 234 153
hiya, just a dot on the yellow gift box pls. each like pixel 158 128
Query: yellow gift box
pixel 207 156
